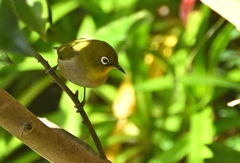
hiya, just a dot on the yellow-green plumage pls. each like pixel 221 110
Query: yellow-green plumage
pixel 82 61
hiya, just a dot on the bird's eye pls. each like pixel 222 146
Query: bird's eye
pixel 104 60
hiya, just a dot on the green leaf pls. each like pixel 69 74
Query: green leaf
pixel 201 133
pixel 129 153
pixel 106 92
pixel 219 45
pixel 167 82
pixel 177 152
pixel 156 84
pixel 223 154
pixel 93 8
pixel 209 80
pixel 87 27
pixel 225 124
pixel 33 13
pixel 12 39
pixel 62 8
pixel 4 59
pixel 98 117
pixel 113 33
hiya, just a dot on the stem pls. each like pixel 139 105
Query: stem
pixel 76 101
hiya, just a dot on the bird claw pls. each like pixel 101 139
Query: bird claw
pixel 51 70
pixel 80 106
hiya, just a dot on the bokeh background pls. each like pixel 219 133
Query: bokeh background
pixel 182 68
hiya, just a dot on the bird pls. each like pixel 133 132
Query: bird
pixel 86 62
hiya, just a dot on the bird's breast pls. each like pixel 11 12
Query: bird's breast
pixel 80 74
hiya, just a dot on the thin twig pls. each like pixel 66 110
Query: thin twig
pixel 76 101
pixel 233 103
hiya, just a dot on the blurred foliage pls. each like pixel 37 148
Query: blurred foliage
pixel 171 104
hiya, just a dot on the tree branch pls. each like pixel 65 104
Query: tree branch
pixel 51 142
pixel 76 101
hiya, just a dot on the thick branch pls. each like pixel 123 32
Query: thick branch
pixel 76 101
pixel 54 144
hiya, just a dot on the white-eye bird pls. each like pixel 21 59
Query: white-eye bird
pixel 87 62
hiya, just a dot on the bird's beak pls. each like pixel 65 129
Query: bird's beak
pixel 119 68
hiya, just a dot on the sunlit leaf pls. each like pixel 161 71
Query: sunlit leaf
pixel 87 27
pixel 101 117
pixel 61 8
pixel 201 134
pixel 113 34
pixel 109 6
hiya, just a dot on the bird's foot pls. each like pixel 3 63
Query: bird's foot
pixel 80 106
pixel 51 70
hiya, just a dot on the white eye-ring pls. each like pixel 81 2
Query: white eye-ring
pixel 104 60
